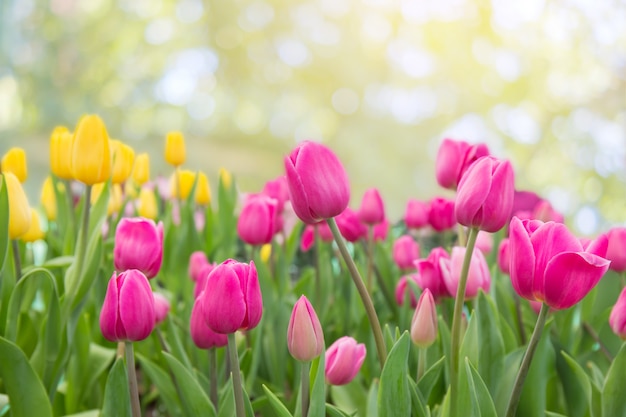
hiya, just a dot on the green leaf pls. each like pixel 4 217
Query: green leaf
pixel 533 400
pixel 116 393
pixel 4 222
pixel 90 413
pixel 317 407
pixel 333 411
pixel 553 414
pixel 194 398
pixel 372 397
pixel 164 384
pixel 27 395
pixel 576 385
pixel 277 405
pixel 393 395
pixel 482 404
pixel 430 377
pixel 418 402
pixel 227 400
pixel 613 403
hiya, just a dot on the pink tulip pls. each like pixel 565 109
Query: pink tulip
pixel 504 256
pixel 308 235
pixel 161 307
pixel 278 190
pixel 372 210
pixel 403 286
pixel 343 360
pixel 405 251
pixel 616 252
pixel 203 275
pixel 232 297
pixel 197 260
pixel 484 242
pixel 454 158
pixel 381 230
pixel 441 214
pixel 138 245
pixel 255 225
pixel 416 214
pixel 350 226
pixel 429 274
pixel 424 322
pixel 305 338
pixel 549 264
pixel 318 183
pixel 485 195
pixel 478 276
pixel 128 309
pixel 524 201
pixel 617 319
pixel 201 334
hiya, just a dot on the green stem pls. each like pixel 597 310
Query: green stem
pixel 455 336
pixel 16 260
pixel 421 364
pixel 525 365
pixel 520 321
pixel 316 255
pixel 370 256
pixel 236 376
pixel 213 377
pixel 365 297
pixel 132 379
pixel 304 392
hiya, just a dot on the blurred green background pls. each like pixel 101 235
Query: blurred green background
pixel 543 83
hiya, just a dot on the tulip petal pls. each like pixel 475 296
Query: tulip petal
pixel 109 313
pixel 473 191
pixel 297 193
pixel 343 362
pixel 599 246
pixel 254 301
pixel 496 209
pixel 223 303
pixel 521 259
pixel 136 306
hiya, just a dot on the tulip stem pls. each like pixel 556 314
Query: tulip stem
pixel 16 259
pixel 370 256
pixel 132 379
pixel 304 392
pixel 525 365
pixel 236 376
pixel 455 336
pixel 365 297
pixel 316 255
pixel 421 364
pixel 213 377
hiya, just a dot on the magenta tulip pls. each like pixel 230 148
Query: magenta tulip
pixel 372 210
pixel 405 251
pixel 128 309
pixel 255 225
pixel 616 251
pixel 201 334
pixel 549 264
pixel 503 256
pixel 441 214
pixel 454 158
pixel 138 245
pixel 232 297
pixel 343 360
pixel 350 226
pixel 416 214
pixel 161 307
pixel 403 286
pixel 203 275
pixel 478 276
pixel 381 230
pixel 305 338
pixel 424 321
pixel 429 273
pixel 485 195
pixel 318 183
pixel 617 319
pixel 278 190
pixel 197 261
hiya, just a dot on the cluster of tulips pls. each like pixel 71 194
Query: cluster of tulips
pixel 106 305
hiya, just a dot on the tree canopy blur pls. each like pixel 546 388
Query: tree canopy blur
pixel 380 81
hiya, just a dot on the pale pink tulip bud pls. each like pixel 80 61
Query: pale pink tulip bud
pixel 616 251
pixel 381 230
pixel 416 214
pixel 305 338
pixel 484 242
pixel 424 322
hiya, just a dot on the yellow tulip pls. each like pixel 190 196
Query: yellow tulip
pixel 61 153
pixel 123 158
pixel 116 199
pixel 34 232
pixel 49 200
pixel 141 170
pixel 203 191
pixel 265 252
pixel 91 155
pixel 19 210
pixel 175 149
pixel 226 178
pixel 184 180
pixel 15 161
pixel 147 204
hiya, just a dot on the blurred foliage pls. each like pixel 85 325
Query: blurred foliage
pixel 380 81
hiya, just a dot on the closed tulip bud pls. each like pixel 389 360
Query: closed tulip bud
pixel 123 159
pixel 318 183
pixel 305 338
pixel 141 169
pixel 278 190
pixel 350 226
pixel 232 299
pixel 226 178
pixel 454 158
pixel 503 255
pixel 147 206
pixel 128 310
pixel 416 214
pixel 34 232
pixel 429 273
pixel 138 245
pixel 201 334
pixel 197 260
pixel 372 210
pixel 181 183
pixel 48 199
pixel 343 360
pixel 441 214
pixel 478 276
pixel 265 252
pixel 91 155
pixel 19 209
pixel 381 230
pixel 15 161
pixel 405 251
pixel 161 307
pixel 203 190
pixel 485 195
pixel 424 322
pixel 61 153
pixel 617 319
pixel 616 251
pixel 404 288
pixel 175 149
pixel 255 225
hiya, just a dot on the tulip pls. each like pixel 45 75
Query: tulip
pixel 441 214
pixel 305 338
pixel 478 275
pixel 343 360
pixel 424 322
pixel 277 189
pixel 255 225
pixel 34 232
pixel 128 310
pixel 405 250
pixel 484 242
pixel 226 179
pixel 19 209
pixel 48 199
pixel 403 286
pixel 15 161
pixel 504 256
pixel 318 183
pixel 175 149
pixel 416 214
pixel 617 319
pixel 203 275
pixel 197 260
pixel 181 183
pixel 308 235
pixel 147 206
pixel 485 195
pixel 203 190
pixel 616 251
pixel 141 169
pixel 232 300
pixel 138 245
pixel 454 158
pixel 161 307
pixel 201 334
pixel 372 210
pixel 381 230
pixel 524 201
pixel 61 153
pixel 91 155
pixel 350 226
pixel 265 252
pixel 123 159
pixel 429 276
pixel 549 264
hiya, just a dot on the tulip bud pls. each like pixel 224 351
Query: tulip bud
pixel 91 155
pixel 34 232
pixel 318 183
pixel 343 360
pixel 138 245
pixel 441 214
pixel 278 190
pixel 202 275
pixel 197 260
pixel 61 153
pixel 15 161
pixel 372 210
pixel 48 199
pixel 617 319
pixel 478 276
pixel 503 256
pixel 405 251
pixel 544 211
pixel 265 252
pixel 128 310
pixel 181 183
pixel 350 226
pixel 381 230
pixel 175 149
pixel 255 225
pixel 616 251
pixel 454 158
pixel 161 307
pixel 424 322
pixel 225 178
pixel 305 338
pixel 416 214
pixel 201 334
pixel 123 159
pixel 141 169
pixel 403 286
pixel 19 210
pixel 147 206
pixel 203 191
